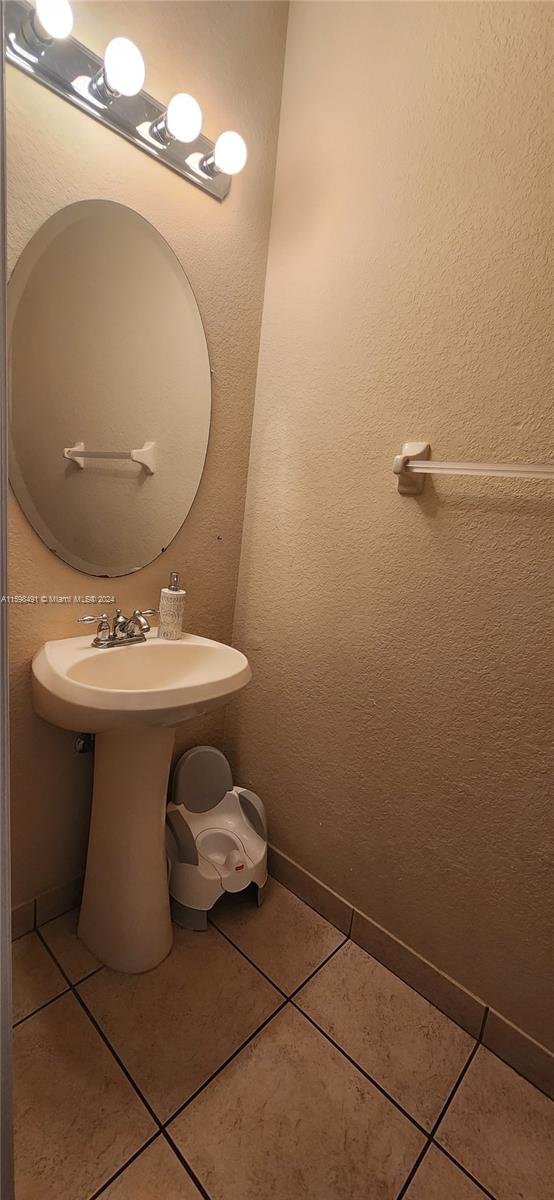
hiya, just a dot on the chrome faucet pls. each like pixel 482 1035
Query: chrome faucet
pixel 126 631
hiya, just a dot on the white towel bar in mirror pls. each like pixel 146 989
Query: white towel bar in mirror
pixel 146 455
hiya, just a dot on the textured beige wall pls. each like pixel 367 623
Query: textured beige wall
pixel 230 56
pixel 397 722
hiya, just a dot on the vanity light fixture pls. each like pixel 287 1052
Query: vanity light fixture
pixel 229 155
pixel 38 42
pixel 47 21
pixel 122 74
pixel 181 122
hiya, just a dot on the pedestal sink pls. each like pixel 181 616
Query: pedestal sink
pixel 132 698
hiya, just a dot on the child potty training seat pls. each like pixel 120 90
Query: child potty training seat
pixel 216 837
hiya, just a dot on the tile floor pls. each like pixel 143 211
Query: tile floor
pixel 267 1059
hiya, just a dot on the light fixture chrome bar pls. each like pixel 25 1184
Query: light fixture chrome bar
pixel 208 165
pixel 67 68
pixel 414 461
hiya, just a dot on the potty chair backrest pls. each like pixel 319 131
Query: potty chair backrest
pixel 201 780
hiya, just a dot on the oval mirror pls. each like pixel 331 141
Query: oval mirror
pixel 109 388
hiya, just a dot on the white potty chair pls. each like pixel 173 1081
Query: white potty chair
pixel 216 837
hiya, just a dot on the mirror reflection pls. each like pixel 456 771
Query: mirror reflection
pixel 109 388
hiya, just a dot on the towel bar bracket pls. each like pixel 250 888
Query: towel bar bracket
pixel 408 484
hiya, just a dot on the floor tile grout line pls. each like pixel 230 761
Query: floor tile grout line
pixel 118 1060
pixel 105 1039
pixel 249 960
pixel 185 1164
pixel 414 1169
pixel 286 995
pixel 120 1170
pixel 72 983
pixel 350 923
pixel 464 1171
pixel 317 969
pixel 225 1064
pixel 363 1072
pixel 41 1007
pixel 454 1089
pixel 54 958
pixel 437 1146
pixel 83 978
pixel 431 1136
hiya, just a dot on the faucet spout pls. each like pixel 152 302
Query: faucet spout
pixel 137 624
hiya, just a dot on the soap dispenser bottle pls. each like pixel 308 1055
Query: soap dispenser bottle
pixel 172 609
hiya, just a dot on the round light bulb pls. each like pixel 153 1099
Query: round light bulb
pixel 124 69
pixel 230 153
pixel 55 17
pixel 184 117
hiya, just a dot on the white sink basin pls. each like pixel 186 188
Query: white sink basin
pixel 132 697
pixel 78 686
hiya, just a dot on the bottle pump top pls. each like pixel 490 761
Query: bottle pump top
pixel 174 585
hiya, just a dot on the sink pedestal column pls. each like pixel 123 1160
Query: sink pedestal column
pixel 125 919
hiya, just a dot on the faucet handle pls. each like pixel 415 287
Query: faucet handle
pixel 103 634
pixel 139 621
pixel 150 612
